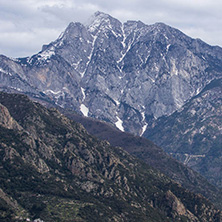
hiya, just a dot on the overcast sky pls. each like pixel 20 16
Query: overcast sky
pixel 25 25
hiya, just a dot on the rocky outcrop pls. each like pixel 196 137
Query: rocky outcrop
pixel 6 120
pixel 177 207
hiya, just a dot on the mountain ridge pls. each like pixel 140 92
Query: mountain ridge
pixel 128 74
pixel 120 66
pixel 54 170
pixel 151 154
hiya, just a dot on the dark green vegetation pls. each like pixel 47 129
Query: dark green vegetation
pixel 193 134
pixel 151 154
pixel 52 169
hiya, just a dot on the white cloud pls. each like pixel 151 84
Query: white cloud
pixel 25 25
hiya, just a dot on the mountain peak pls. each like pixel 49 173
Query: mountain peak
pixel 161 27
pixel 74 29
pixel 101 14
pixel 73 26
pixel 161 24
pixel 101 18
pixel 97 16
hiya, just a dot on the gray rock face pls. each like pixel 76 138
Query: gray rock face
pixel 193 134
pixel 127 74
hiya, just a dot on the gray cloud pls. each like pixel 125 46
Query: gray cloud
pixel 25 25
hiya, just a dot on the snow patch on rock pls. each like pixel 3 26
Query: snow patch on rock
pixel 83 93
pixel 145 124
pixel 119 124
pixel 47 54
pixel 3 71
pixel 84 110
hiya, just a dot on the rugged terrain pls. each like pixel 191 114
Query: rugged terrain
pixel 128 74
pixel 149 80
pixel 151 154
pixel 193 134
pixel 52 169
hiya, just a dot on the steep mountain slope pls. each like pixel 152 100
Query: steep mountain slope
pixel 151 154
pixel 128 74
pixel 193 134
pixel 53 169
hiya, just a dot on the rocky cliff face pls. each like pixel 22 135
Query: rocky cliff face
pixel 6 120
pixel 128 74
pixel 53 169
pixel 195 133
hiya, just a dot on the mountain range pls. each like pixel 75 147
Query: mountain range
pixel 128 74
pixel 148 80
